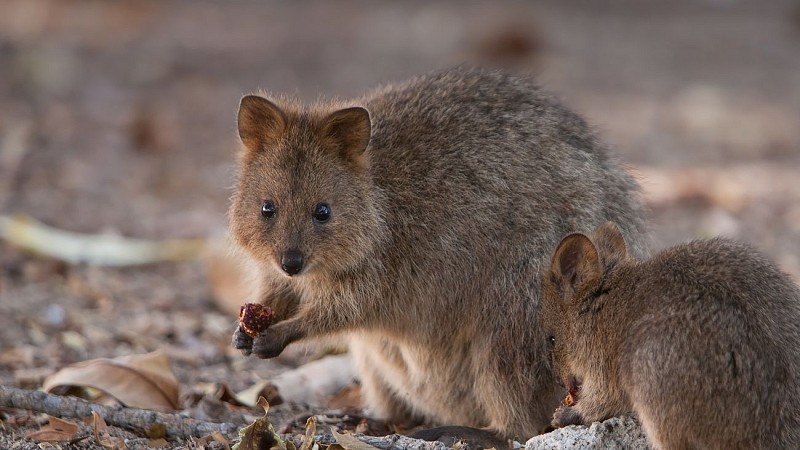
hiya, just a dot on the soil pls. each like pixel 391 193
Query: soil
pixel 120 117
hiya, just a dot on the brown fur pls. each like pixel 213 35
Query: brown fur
pixel 701 342
pixel 439 228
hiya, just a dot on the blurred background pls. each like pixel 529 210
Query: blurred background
pixel 120 117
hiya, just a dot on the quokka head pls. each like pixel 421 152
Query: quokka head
pixel 579 275
pixel 303 199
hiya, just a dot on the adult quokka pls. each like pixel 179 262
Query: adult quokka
pixel 416 220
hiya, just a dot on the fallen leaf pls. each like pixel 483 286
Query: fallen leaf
pixel 223 393
pixel 216 436
pixel 156 431
pixel 259 435
pixel 311 431
pixel 157 443
pixel 94 249
pixel 102 436
pixel 56 430
pixel 142 381
pixel 249 396
pixel 350 442
pixel 113 443
pixel 99 424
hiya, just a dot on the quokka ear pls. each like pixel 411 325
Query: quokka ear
pixel 576 263
pixel 348 131
pixel 261 122
pixel 609 243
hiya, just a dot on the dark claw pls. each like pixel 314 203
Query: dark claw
pixel 242 341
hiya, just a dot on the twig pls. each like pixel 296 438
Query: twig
pixel 94 249
pixel 139 420
pixel 398 442
pixel 391 442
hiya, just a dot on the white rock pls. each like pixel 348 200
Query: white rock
pixel 617 433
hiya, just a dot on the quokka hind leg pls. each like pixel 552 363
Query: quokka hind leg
pixel 661 437
pixel 380 400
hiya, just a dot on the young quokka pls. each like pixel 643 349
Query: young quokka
pixel 415 221
pixel 701 342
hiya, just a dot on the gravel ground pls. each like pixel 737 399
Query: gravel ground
pixel 119 117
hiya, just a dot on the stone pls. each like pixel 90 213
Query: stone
pixel 621 433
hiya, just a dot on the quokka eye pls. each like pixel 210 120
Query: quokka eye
pixel 551 340
pixel 322 213
pixel 268 209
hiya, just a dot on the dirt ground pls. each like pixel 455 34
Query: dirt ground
pixel 120 117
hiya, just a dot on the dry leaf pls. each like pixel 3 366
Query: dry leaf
pixel 264 404
pixel 264 389
pixel 213 437
pixel 56 430
pixel 223 393
pixel 350 442
pixel 259 435
pixel 113 443
pixel 311 431
pixel 103 437
pixel 99 424
pixel 94 249
pixel 156 431
pixel 157 443
pixel 142 381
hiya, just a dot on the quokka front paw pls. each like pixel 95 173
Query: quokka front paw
pixel 269 343
pixel 566 415
pixel 242 341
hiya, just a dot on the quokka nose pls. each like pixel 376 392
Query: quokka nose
pixel 292 262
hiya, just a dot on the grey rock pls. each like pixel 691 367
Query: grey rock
pixel 616 433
